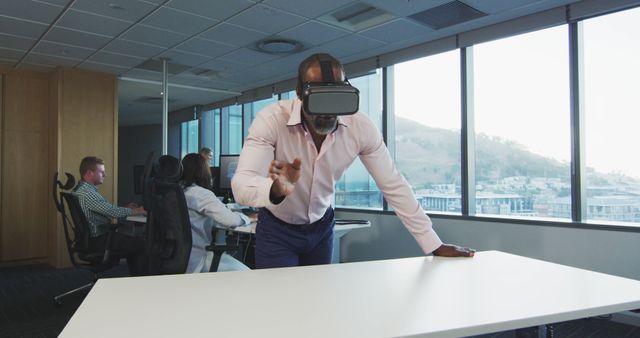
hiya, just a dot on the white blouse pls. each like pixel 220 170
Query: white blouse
pixel 205 210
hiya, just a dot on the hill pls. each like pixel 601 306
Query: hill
pixel 426 155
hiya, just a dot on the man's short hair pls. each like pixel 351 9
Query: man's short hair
pixel 315 58
pixel 89 163
pixel 206 150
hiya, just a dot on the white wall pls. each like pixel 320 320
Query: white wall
pixel 612 252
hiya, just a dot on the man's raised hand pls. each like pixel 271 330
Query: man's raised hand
pixel 284 175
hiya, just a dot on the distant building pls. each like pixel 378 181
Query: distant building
pixel 619 208
pixel 486 203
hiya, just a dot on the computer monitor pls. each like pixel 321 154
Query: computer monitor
pixel 138 172
pixel 215 178
pixel 228 165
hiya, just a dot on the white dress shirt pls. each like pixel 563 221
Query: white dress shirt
pixel 205 210
pixel 277 133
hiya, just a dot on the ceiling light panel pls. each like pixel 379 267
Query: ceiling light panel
pixel 128 10
pixel 266 19
pixel 139 49
pixel 178 21
pixel 30 10
pixel 218 9
pixel 205 47
pixel 233 35
pixel 357 16
pixel 18 27
pixel 92 23
pixel 76 38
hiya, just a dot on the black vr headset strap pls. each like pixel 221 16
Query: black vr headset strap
pixel 327 70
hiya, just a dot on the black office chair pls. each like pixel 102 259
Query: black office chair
pixel 76 233
pixel 168 225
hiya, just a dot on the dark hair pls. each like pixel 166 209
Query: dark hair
pixel 89 163
pixel 312 59
pixel 195 170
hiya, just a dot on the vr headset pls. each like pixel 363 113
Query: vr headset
pixel 329 97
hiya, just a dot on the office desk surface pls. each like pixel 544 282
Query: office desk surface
pixel 251 228
pixel 423 296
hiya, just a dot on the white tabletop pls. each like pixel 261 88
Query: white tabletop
pixel 423 296
pixel 251 228
pixel 137 219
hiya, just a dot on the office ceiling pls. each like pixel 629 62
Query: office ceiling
pixel 213 46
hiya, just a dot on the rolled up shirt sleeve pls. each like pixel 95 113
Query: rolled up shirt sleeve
pixel 250 184
pixel 397 191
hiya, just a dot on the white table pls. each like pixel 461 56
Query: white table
pixel 418 297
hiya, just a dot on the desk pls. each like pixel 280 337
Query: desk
pixel 339 231
pixel 421 296
pixel 137 219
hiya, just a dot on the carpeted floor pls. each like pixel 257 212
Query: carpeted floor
pixel 27 310
pixel 26 298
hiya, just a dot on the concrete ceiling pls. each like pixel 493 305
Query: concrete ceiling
pixel 212 45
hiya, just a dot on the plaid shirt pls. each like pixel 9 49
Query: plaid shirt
pixel 97 209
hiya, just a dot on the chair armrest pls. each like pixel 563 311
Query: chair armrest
pixel 218 250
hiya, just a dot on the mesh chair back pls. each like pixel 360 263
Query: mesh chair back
pixel 76 228
pixel 79 224
pixel 147 174
pixel 169 228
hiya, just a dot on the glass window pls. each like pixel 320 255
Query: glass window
pixel 188 137
pixel 611 73
pixel 252 108
pixel 231 123
pixel 357 188
pixel 210 122
pixel 427 129
pixel 522 116
pixel 288 95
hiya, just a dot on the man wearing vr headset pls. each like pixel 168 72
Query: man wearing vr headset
pixel 294 154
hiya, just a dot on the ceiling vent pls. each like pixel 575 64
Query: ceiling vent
pixel 357 16
pixel 278 46
pixel 156 66
pixel 204 73
pixel 153 99
pixel 446 15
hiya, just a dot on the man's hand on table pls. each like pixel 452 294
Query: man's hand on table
pixel 451 250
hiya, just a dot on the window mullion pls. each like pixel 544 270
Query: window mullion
pixel 576 69
pixel 467 133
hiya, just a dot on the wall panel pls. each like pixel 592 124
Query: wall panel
pixel 24 173
pixel 86 116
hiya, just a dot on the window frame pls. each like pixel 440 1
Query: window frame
pixel 578 190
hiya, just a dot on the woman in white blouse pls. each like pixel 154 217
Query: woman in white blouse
pixel 205 210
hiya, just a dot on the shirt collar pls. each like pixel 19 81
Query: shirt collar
pixel 296 115
pixel 91 186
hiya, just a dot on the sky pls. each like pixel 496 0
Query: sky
pixel 521 87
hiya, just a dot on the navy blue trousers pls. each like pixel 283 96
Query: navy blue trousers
pixel 280 244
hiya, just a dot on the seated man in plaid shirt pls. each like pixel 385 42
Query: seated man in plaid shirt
pixel 100 212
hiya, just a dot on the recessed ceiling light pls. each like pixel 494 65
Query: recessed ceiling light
pixel 279 46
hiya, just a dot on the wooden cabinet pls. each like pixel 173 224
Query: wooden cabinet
pixel 24 167
pixel 48 122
